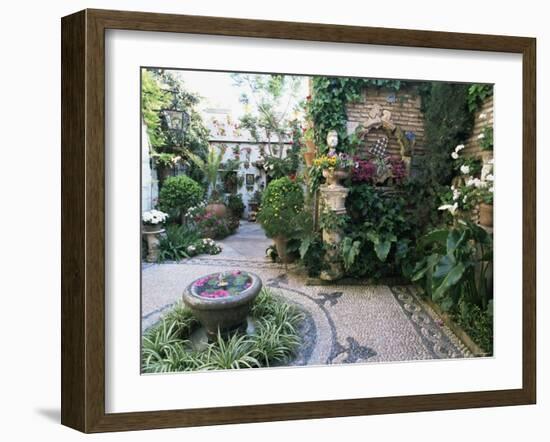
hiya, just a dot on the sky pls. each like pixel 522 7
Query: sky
pixel 218 91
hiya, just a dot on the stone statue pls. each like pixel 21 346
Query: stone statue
pixel 332 139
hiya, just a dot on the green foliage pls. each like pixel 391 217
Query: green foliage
pixel 332 221
pixel 209 166
pixel 486 142
pixel 379 235
pixel 235 205
pixel 282 201
pixel 350 251
pixel 268 103
pixel 153 98
pixel 447 123
pixel 165 90
pixel 166 346
pixel 455 265
pixel 477 93
pixel 477 323
pixel 327 106
pixel 178 194
pixel 174 243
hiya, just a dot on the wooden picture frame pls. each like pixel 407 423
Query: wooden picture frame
pixel 83 220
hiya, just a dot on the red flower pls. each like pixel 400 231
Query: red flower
pixel 308 98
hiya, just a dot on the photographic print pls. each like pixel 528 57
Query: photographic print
pixel 292 220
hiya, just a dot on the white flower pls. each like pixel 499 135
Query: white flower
pixel 465 169
pixel 464 199
pixel 454 156
pixel 459 147
pixel 482 116
pixel 450 207
pixel 490 177
pixel 456 194
pixel 481 136
pixel 476 182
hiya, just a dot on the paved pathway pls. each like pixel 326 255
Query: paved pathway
pixel 344 324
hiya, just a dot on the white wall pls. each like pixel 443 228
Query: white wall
pixel 149 181
pixel 30 183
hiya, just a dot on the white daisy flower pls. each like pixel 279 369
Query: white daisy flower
pixel 465 169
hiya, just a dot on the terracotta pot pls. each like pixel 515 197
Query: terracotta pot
pixel 280 244
pixel 486 215
pixel 310 145
pixel 216 209
pixel 308 157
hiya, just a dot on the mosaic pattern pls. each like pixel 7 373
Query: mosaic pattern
pixel 344 324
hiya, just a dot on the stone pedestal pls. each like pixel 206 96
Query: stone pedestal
pixel 152 236
pixel 334 198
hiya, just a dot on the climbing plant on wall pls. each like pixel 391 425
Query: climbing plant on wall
pixel 164 90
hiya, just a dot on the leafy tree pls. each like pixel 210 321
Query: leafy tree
pixel 271 104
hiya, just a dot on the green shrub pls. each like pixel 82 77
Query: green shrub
pixel 178 194
pixel 235 205
pixel 282 201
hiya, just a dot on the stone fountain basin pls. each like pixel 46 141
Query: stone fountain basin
pixel 225 314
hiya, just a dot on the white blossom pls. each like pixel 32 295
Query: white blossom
pixel 459 148
pixel 154 217
pixel 450 207
pixel 454 156
pixel 456 194
pixel 465 169
pixel 481 136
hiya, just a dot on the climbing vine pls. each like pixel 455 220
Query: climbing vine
pixel 326 106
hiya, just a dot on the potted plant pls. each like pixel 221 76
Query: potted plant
pixel 282 201
pixel 335 167
pixel 153 225
pixel 210 167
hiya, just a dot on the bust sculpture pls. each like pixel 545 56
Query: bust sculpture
pixel 332 139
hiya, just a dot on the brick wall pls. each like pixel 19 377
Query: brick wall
pixel 483 117
pixel 405 111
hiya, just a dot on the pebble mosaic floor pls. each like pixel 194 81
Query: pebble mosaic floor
pixel 344 323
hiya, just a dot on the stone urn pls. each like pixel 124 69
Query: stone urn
pixel 222 301
pixel 152 236
pixel 486 215
pixel 334 176
pixel 217 209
